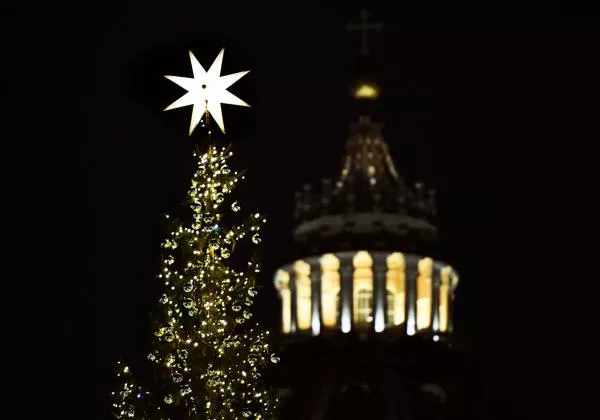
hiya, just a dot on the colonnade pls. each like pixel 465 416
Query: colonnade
pixel 362 290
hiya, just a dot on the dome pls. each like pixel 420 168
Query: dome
pixel 366 251
pixel 365 241
pixel 368 204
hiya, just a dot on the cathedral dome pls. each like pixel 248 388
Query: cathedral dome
pixel 368 204
pixel 366 251
pixel 365 241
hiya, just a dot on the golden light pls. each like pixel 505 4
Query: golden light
pixel 207 90
pixel 366 91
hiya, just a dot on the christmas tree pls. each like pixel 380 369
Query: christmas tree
pixel 207 360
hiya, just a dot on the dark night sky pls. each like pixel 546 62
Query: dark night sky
pixel 496 111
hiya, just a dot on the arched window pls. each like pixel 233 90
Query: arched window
pixel 364 307
pixel 425 267
pixel 330 289
pixel 445 274
pixel 391 300
pixel 363 289
pixel 303 295
pixel 282 283
pixel 395 281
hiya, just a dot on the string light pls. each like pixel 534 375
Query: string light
pixel 210 359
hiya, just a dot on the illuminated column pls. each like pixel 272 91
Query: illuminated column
pixel 302 282
pixel 411 296
pixel 435 297
pixel 282 283
pixel 379 293
pixel 346 293
pixel 315 278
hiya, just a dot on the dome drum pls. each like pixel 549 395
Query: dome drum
pixel 366 292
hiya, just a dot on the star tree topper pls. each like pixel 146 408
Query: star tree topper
pixel 207 90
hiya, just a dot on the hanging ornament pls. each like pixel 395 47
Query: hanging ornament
pixel 235 206
pixel 185 390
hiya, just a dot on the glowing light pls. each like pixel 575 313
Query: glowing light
pixel 345 324
pixel 316 325
pixel 379 319
pixel 207 90
pixel 366 91
pixel 197 345
pixel 436 338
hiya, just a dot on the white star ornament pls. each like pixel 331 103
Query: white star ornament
pixel 207 90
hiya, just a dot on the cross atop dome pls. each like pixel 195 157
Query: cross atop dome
pixel 364 26
pixel 365 86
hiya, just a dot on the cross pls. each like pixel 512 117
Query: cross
pixel 364 27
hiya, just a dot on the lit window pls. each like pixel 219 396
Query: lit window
pixel 395 283
pixel 330 288
pixel 303 295
pixel 390 306
pixel 363 289
pixel 364 307
pixel 282 283
pixel 425 267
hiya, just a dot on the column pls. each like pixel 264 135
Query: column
pixel 346 293
pixel 435 299
pixel 453 283
pixel 410 277
pixel 294 304
pixel 315 290
pixel 379 293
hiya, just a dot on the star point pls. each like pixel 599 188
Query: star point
pixel 206 91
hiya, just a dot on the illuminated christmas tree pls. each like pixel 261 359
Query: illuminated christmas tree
pixel 208 361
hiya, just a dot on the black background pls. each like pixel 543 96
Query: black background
pixel 496 108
